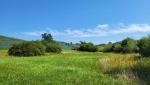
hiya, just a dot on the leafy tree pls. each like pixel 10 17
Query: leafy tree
pixel 84 46
pixel 129 45
pixel 117 47
pixel 108 47
pixel 144 46
pixel 47 37
pixel 50 44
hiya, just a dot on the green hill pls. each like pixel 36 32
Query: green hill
pixel 64 45
pixel 7 42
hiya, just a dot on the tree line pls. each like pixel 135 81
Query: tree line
pixel 47 44
pixel 128 45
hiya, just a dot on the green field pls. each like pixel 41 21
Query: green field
pixel 74 68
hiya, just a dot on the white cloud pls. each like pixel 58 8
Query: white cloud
pixel 33 33
pixel 38 33
pixel 98 31
pixel 102 26
pixel 54 32
pixel 133 28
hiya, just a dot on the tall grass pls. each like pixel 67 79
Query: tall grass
pixel 130 68
pixel 67 68
pixel 3 54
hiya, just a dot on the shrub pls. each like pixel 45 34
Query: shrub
pixel 32 48
pixel 52 47
pixel 144 46
pixel 90 47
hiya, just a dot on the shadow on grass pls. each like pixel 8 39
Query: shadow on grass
pixel 140 74
pixel 130 69
pixel 143 73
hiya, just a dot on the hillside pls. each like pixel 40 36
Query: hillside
pixel 6 42
pixel 64 45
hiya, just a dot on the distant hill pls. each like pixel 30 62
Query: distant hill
pixel 7 42
pixel 65 45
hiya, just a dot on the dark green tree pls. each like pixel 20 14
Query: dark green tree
pixel 50 44
pixel 84 46
pixel 129 45
pixel 117 47
pixel 144 46
pixel 108 47
pixel 47 37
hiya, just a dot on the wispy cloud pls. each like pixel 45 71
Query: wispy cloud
pixel 33 33
pixel 133 28
pixel 54 32
pixel 38 33
pixel 98 31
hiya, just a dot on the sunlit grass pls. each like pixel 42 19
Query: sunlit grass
pixel 67 68
pixel 3 54
pixel 74 68
pixel 117 62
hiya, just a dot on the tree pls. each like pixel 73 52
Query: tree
pixel 108 47
pixel 84 46
pixel 129 45
pixel 50 44
pixel 117 47
pixel 144 46
pixel 47 37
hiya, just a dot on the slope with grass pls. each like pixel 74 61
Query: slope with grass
pixel 64 45
pixel 7 42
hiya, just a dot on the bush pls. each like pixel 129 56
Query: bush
pixel 52 47
pixel 32 48
pixel 90 47
pixel 144 46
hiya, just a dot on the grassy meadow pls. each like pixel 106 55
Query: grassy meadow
pixel 75 68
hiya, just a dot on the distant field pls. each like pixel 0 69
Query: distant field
pixel 74 68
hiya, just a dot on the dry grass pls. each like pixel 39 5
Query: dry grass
pixel 118 62
pixel 3 54
pixel 121 67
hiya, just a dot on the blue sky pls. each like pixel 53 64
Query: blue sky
pixel 96 21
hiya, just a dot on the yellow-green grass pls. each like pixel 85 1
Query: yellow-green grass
pixel 3 54
pixel 130 68
pixel 67 68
